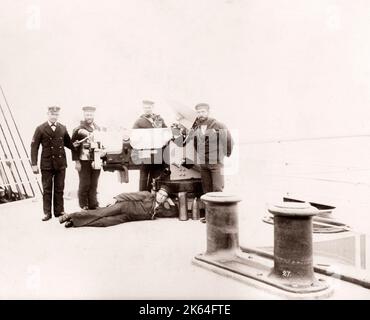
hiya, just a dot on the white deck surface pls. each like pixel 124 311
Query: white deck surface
pixel 150 259
pixel 138 260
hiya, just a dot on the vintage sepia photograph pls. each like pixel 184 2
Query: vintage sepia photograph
pixel 185 150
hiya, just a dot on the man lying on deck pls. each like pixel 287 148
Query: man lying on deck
pixel 126 207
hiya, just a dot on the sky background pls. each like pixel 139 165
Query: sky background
pixel 270 69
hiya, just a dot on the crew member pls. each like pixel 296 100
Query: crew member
pixel 125 207
pixel 53 137
pixel 84 137
pixel 212 141
pixel 149 120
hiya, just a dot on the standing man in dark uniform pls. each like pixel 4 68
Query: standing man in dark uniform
pixel 53 137
pixel 212 141
pixel 149 120
pixel 83 137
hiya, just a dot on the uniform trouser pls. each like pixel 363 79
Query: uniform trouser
pixel 87 189
pixel 147 173
pixel 53 182
pixel 212 177
pixel 105 217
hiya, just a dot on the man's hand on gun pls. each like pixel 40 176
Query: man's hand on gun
pixel 179 163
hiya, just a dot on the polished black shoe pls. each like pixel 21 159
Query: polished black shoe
pixel 203 220
pixel 69 224
pixel 57 215
pixel 63 218
pixel 46 217
pixel 85 208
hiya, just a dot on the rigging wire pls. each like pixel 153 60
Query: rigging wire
pixel 20 138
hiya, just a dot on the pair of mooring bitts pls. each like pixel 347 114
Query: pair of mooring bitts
pixel 291 272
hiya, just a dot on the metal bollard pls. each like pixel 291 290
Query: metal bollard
pixel 292 274
pixel 222 223
pixel 293 257
pixel 183 206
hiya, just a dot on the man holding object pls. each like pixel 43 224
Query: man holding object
pixel 84 138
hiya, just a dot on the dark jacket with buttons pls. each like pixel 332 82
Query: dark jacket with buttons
pixel 141 203
pixel 53 155
pixel 132 206
pixel 214 144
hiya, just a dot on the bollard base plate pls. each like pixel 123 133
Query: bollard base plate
pixel 256 271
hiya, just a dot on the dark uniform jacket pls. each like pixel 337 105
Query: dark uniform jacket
pixel 134 206
pixel 149 121
pixel 216 143
pixel 141 203
pixel 53 155
pixel 76 137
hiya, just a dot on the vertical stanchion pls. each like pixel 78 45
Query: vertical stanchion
pixel 183 206
pixel 20 138
pixel 20 195
pixel 11 159
pixel 17 152
pixel 5 178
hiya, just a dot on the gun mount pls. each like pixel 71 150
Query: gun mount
pixel 157 147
